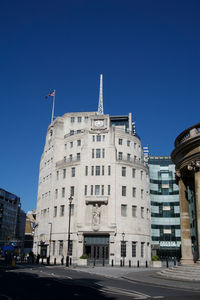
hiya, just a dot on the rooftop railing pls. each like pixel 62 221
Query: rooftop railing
pixel 188 134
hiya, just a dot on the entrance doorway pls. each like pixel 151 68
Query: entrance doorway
pixel 97 248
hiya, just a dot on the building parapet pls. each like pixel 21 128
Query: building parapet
pixel 67 162
pixel 188 134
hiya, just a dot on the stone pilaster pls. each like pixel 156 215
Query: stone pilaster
pixel 197 200
pixel 186 243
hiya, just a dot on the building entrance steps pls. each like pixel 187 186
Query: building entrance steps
pixel 185 273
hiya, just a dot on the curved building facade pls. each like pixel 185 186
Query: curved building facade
pixel 98 161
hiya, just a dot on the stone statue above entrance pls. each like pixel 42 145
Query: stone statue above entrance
pixel 96 215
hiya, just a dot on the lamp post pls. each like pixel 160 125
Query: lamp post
pixel 68 244
pixel 50 241
pixel 123 247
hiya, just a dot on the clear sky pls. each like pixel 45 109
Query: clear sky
pixel 148 52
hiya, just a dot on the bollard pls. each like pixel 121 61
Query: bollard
pixel 67 261
pixel 112 263
pixel 120 263
pixel 174 262
pixel 54 261
pixel 167 263
pixel 103 263
pixel 70 261
pixel 146 264
pixel 62 260
pixel 129 263
pixel 138 264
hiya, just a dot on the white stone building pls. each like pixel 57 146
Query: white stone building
pixel 98 160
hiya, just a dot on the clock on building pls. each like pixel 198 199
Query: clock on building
pixel 99 123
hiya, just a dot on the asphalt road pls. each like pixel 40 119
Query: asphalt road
pixel 46 282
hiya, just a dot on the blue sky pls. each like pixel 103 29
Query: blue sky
pixel 148 52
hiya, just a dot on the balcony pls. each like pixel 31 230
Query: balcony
pixel 67 162
pixel 127 160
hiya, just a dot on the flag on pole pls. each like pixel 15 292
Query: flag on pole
pixel 51 94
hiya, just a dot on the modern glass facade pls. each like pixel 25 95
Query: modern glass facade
pixel 165 212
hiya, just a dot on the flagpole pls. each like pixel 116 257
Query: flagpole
pixel 53 106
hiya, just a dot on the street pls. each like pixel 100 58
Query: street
pixel 51 282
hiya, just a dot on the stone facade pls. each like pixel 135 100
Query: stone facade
pixel 97 159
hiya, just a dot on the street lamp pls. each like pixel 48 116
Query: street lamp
pixel 123 247
pixel 68 244
pixel 50 241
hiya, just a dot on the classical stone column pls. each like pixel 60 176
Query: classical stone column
pixel 197 200
pixel 186 243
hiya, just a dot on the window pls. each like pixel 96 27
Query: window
pixel 133 173
pixel 103 138
pixel 120 141
pixel 128 157
pixel 85 191
pixel 103 153
pixel 65 146
pixel 92 153
pixel 109 170
pixel 57 175
pixel 72 119
pixel 71 132
pixel 91 190
pixel 60 251
pixel 142 249
pixel 134 211
pixel 98 138
pixel 109 189
pixel 102 190
pixel 128 143
pixel 86 119
pixel 73 172
pixel 142 212
pixel 63 192
pixel 98 153
pixel 123 171
pixel 78 156
pixel 93 138
pixel 62 210
pixel 78 131
pixel 102 170
pixel 123 190
pixel 142 194
pixel 92 170
pixel 123 210
pixel 120 155
pixel 97 170
pixel 79 119
pixel 86 170
pixel 72 190
pixel 135 157
pixel 70 157
pixel 123 249
pixel 70 247
pixel 71 144
pixel 134 192
pixel 78 142
pixel 64 159
pixel 64 173
pixel 141 175
pixel 56 193
pixel 134 244
pixel 135 145
pixel 53 247
pixel 55 211
pixel 97 189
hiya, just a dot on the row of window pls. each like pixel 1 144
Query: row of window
pixel 79 119
pixel 134 249
pixel 127 157
pixel 71 144
pixel 62 210
pixel 72 189
pixel 60 248
pixel 98 153
pixel 134 211
pixel 128 143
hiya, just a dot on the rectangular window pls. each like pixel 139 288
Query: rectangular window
pixel 72 119
pixel 142 212
pixel 109 189
pixel 134 253
pixel 91 190
pixel 109 170
pixel 128 143
pixel 86 119
pixel 128 157
pixel 93 138
pixel 102 170
pixel 133 173
pixel 97 171
pixel 98 153
pixel 71 144
pixel 86 170
pixel 64 159
pixel 78 156
pixel 103 153
pixel 120 155
pixel 56 193
pixel 120 141
pixel 142 249
pixel 57 175
pixel 65 146
pixel 64 173
pixel 79 119
pixel 141 175
pixel 73 172
pixel 102 190
pixel 134 211
pixel 142 194
pixel 135 158
pixel 123 190
pixel 63 192
pixel 97 189
pixel 71 190
pixel 70 157
pixel 92 153
pixel 135 145
pixel 78 142
pixel 78 131
pixel 55 211
pixel 62 210
pixel 103 138
pixel 123 171
pixel 53 247
pixel 60 252
pixel 92 170
pixel 134 192
pixel 98 138
pixel 123 249
pixel 123 210
pixel 85 191
pixel 71 132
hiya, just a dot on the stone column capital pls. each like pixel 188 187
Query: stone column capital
pixel 194 166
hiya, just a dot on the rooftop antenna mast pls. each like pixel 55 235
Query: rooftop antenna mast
pixel 100 107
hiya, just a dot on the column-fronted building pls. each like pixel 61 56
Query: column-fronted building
pixel 165 208
pixel 97 159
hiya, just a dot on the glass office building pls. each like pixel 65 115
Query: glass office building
pixel 165 213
